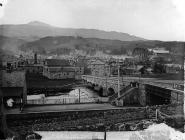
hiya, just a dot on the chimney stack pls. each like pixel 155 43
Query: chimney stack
pixel 35 58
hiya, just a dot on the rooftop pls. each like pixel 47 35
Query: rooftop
pixel 62 69
pixel 57 62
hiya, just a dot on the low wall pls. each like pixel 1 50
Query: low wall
pixel 93 120
pixel 23 123
pixel 173 109
pixel 43 101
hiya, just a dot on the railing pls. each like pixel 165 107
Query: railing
pixel 127 92
pixel 124 90
pixel 114 96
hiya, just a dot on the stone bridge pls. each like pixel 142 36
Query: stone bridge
pixel 150 85
pixel 105 82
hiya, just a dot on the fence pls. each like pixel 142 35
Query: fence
pixel 68 100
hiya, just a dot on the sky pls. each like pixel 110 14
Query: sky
pixel 150 19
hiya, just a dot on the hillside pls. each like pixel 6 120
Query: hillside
pixel 65 44
pixel 10 44
pixel 35 30
pixel 47 39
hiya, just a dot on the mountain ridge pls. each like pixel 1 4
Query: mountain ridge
pixel 37 29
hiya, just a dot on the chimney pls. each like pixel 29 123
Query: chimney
pixel 35 58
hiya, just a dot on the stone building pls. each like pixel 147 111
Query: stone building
pixel 173 68
pixel 100 68
pixel 61 69
pixel 34 68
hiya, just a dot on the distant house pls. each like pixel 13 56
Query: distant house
pixel 34 65
pixel 159 51
pixel 129 60
pixel 99 68
pixel 79 69
pixel 33 61
pixel 164 58
pixel 10 65
pixel 113 64
pixel 133 70
pixel 34 68
pixel 173 68
pixel 60 69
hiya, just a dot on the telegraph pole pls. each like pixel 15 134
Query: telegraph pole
pixel 118 79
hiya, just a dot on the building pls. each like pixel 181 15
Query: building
pixel 61 69
pixel 31 65
pixel 100 68
pixel 34 68
pixel 14 86
pixel 173 68
pixel 159 51
pixel 132 71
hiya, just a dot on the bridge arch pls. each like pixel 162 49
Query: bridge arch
pixel 110 91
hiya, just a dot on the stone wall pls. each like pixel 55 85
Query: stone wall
pixel 73 120
pixel 92 120
pixel 173 109
pixel 177 97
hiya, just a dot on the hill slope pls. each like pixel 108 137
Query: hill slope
pixel 10 44
pixel 35 30
pixel 65 44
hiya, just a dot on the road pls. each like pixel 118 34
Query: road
pixel 61 108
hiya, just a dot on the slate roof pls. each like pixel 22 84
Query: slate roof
pixel 64 69
pixel 57 62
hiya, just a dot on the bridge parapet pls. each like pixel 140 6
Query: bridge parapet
pixel 112 82
pixel 107 82
pixel 103 81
